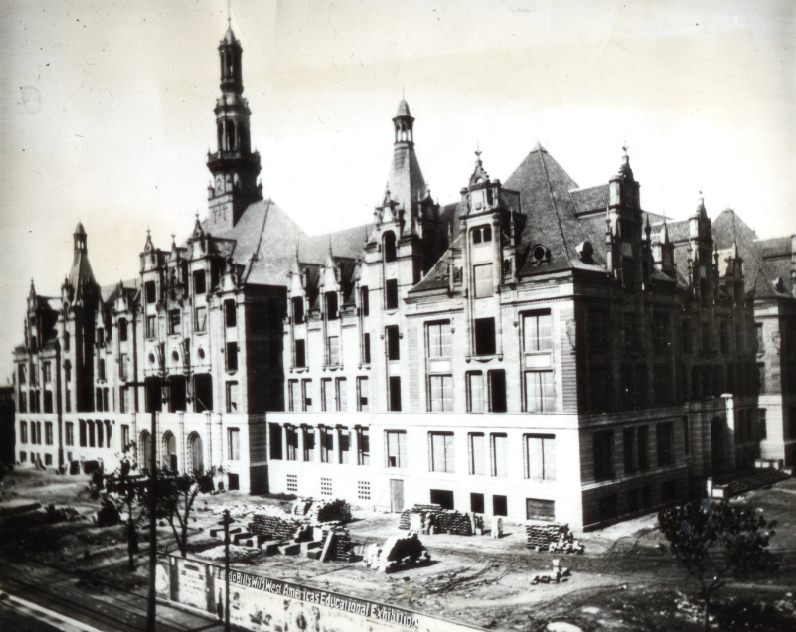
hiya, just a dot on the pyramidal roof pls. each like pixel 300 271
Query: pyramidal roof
pixel 405 181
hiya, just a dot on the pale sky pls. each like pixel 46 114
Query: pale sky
pixel 107 111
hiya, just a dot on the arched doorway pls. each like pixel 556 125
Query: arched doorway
pixel 195 453
pixel 169 460
pixel 144 450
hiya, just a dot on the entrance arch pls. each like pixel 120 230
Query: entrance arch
pixel 195 453
pixel 169 460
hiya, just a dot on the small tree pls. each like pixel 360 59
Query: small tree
pixel 716 541
pixel 126 492
pixel 176 496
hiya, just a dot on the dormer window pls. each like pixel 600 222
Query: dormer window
pixel 331 306
pixel 481 234
pixel 297 303
pixel 150 291
pixel 199 284
pixel 390 251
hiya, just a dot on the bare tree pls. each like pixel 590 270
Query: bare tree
pixel 176 496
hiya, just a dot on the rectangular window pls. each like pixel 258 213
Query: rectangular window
pixel 232 356
pixel 484 336
pixel 309 443
pixel 477 453
pixel 48 432
pixel 483 283
pixel 291 483
pixel 297 303
pixel 540 394
pixel 440 452
pixel 230 313
pixel 540 457
pixel 537 328
pixel 293 401
pixel 341 386
pixel 498 454
pixel 233 444
pixel 540 509
pixel 661 340
pixel 343 445
pixel 174 321
pixel 391 293
pixel 761 423
pixel 232 397
pixel 125 437
pixel 366 348
pixel 363 393
pixel 603 450
pixel 200 319
pixel 101 370
pixel 497 390
pixel 151 327
pixel 331 311
pixel 306 395
pixel 393 342
pixel 363 446
pixel 395 393
pixel 299 353
pixel 364 300
pixel 333 350
pixel 628 445
pixel 22 370
pixel 643 447
pixel 23 402
pixel 327 444
pixel 440 389
pixel 438 340
pixel 665 443
pixel 150 291
pixel 475 392
pixel 291 439
pixel 23 431
pixel 274 442
pixel 199 282
pixel 122 324
pixel 395 441
pixel 48 402
pixel 69 431
pixel 48 372
pixel 328 402
pixel 326 486
pixel 759 337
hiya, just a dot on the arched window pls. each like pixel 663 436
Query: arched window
pixel 230 126
pixel 169 460
pixel 144 450
pixel 195 453
pixel 390 252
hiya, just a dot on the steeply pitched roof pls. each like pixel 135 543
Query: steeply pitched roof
pixel 775 247
pixel 348 243
pixel 590 199
pixel 405 181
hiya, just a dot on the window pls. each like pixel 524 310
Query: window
pixel 540 509
pixel 390 251
pixel 291 483
pixel 363 490
pixel 327 444
pixel 297 303
pixel 628 445
pixel 233 444
pixel 438 340
pixel 440 452
pixel 661 337
pixel 537 331
pixel 497 391
pixel 331 311
pixel 665 443
pixel 47 369
pixel 476 444
pixel 724 338
pixel 364 300
pixel 598 329
pixel 23 431
pixel 199 282
pixel 630 339
pixel 125 437
pixel 23 402
pixel 483 284
pixel 391 294
pixel 232 356
pixel 643 447
pixel 293 401
pixel 343 445
pixel 174 321
pixel 69 431
pixel 101 370
pixel 230 313
pixel 540 457
pixel 363 393
pixel 122 324
pixel 707 346
pixel 291 442
pixel 308 434
pixel 540 395
pixel 151 327
pixel 22 369
pixel 761 377
pixel 759 338
pixel 366 349
pixel 393 342
pixel 67 340
pixel 306 395
pixel 326 486
pixel 762 431
pixel 333 350
pixel 500 505
pixel 662 384
pixel 363 449
pixel 481 234
pixel 603 454
pixel 341 386
pixel 232 397
pixel 150 291
pixel 476 502
pixel 498 454
pixel 124 364
pixel 328 402
pixel 685 335
pixel 395 441
pixel 475 392
pixel 484 336
pixel 440 393
pixel 299 360
pixel 200 319
pixel 395 393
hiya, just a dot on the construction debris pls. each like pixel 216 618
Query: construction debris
pixel 431 519
pixel 556 577
pixel 396 554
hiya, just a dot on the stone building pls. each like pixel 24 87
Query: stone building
pixel 534 349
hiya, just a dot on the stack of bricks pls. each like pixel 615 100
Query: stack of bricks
pixel 273 527
pixel 405 521
pixel 442 520
pixel 343 549
pixel 542 536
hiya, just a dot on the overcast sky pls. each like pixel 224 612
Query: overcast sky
pixel 107 111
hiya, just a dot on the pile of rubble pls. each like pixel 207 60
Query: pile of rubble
pixel 396 554
pixel 558 575
pixel 431 519
pixel 553 537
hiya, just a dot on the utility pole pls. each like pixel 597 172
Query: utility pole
pixel 227 521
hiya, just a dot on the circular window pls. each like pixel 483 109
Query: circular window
pixel 151 358
pixel 201 353
pixel 540 253
pixel 175 356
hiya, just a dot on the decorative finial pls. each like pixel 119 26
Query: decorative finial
pixel 229 13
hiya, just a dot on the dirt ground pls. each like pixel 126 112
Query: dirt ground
pixel 626 580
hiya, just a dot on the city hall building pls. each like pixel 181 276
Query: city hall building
pixel 534 350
